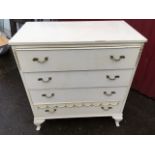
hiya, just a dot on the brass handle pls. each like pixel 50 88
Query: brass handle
pixel 114 78
pixel 48 96
pixel 106 108
pixel 51 110
pixel 40 61
pixel 45 81
pixel 117 59
pixel 109 94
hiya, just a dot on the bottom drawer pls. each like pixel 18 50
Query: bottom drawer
pixel 74 110
pixel 52 96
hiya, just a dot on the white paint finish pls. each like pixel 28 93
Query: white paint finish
pixel 63 60
pixel 132 77
pixel 118 118
pixel 77 95
pixel 38 123
pixel 76 112
pixel 70 63
pixel 76 46
pixel 76 32
pixel 78 79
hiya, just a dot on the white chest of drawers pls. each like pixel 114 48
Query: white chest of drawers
pixel 77 69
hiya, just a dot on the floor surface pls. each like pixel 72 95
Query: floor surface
pixel 16 116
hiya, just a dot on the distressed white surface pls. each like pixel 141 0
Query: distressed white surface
pixel 76 112
pixel 67 60
pixel 79 67
pixel 76 32
pixel 77 95
pixel 78 79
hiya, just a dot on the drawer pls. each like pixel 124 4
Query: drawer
pixel 74 110
pixel 78 79
pixel 53 96
pixel 64 60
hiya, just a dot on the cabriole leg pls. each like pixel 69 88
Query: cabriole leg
pixel 118 118
pixel 38 123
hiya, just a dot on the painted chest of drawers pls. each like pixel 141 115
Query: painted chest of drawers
pixel 77 69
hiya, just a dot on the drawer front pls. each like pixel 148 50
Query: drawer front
pixel 63 60
pixel 78 79
pixel 53 96
pixel 74 110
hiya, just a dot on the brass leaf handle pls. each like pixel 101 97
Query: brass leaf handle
pixel 114 78
pixel 40 61
pixel 117 59
pixel 45 81
pixel 48 96
pixel 109 94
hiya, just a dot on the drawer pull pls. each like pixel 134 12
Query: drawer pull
pixel 106 108
pixel 51 110
pixel 45 81
pixel 117 59
pixel 114 78
pixel 41 61
pixel 109 94
pixel 48 96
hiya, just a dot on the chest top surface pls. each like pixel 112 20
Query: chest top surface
pixel 76 32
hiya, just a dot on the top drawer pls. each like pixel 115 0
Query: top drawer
pixel 77 59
